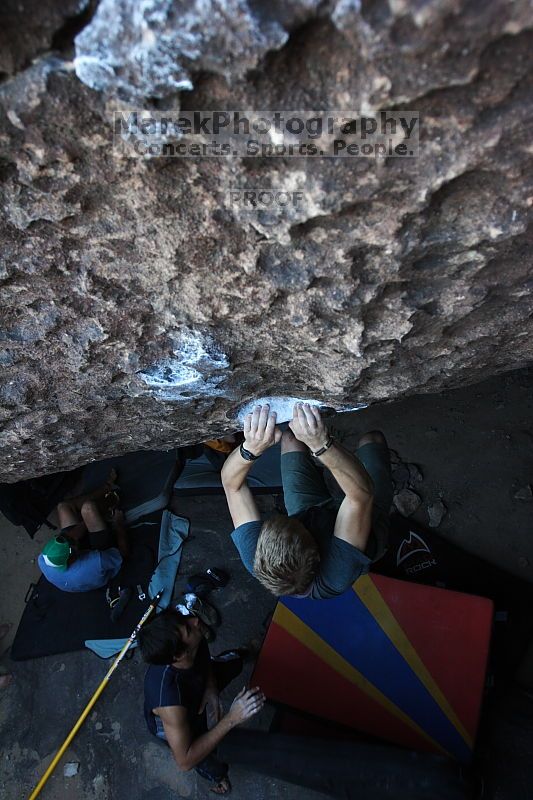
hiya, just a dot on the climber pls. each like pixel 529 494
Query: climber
pixel 325 543
pixel 86 554
pixel 181 694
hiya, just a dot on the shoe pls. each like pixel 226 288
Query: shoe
pixel 200 585
pixel 201 609
pixel 207 581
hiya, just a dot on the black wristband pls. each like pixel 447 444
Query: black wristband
pixel 246 454
pixel 324 447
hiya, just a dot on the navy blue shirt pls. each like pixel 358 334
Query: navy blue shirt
pixel 341 563
pixel 168 686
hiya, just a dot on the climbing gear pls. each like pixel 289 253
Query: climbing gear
pixel 218 576
pixel 200 608
pixel 118 606
pixel 140 594
pixel 204 612
pixel 112 501
pixel 112 601
pixel 207 581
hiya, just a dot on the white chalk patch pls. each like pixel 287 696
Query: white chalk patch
pixel 14 119
pixel 94 71
pixel 170 373
pixel 188 369
pixel 283 406
pixel 71 768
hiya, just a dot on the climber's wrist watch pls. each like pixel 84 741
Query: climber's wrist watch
pixel 246 454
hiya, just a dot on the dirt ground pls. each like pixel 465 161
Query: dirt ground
pixel 474 447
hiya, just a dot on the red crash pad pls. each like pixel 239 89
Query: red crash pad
pixel 389 658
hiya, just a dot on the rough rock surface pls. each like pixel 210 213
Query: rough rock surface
pixel 32 27
pixel 149 50
pixel 141 307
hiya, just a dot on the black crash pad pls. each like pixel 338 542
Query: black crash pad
pixel 54 621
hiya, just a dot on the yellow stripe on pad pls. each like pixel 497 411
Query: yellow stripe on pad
pixel 290 622
pixel 368 593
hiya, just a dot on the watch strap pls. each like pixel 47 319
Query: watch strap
pixel 246 454
pixel 325 447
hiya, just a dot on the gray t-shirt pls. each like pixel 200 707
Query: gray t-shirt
pixel 340 562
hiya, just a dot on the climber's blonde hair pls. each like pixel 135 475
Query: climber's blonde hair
pixel 286 558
